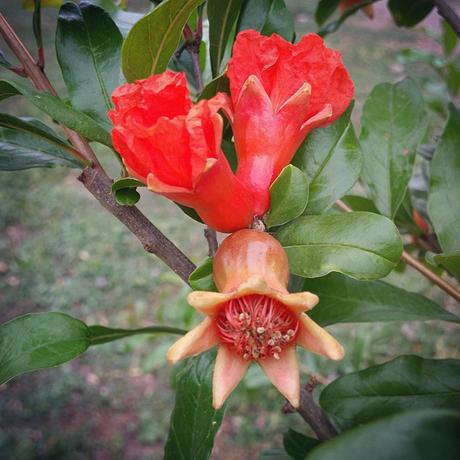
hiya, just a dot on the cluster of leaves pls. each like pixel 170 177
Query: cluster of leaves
pixel 410 395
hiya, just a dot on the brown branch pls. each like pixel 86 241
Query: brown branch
pixel 99 185
pixel 312 413
pixel 95 179
pixel 448 13
pixel 414 263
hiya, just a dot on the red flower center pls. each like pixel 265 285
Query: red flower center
pixel 257 326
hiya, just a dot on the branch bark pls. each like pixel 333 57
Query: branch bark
pixel 414 263
pixel 448 13
pixel 95 179
pixel 312 413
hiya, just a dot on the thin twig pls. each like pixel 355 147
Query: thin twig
pixel 192 45
pixel 447 12
pixel 312 413
pixel 414 263
pixel 95 179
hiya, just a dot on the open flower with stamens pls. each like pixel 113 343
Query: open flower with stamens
pixel 174 147
pixel 253 318
pixel 280 92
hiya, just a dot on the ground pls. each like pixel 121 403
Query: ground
pixel 60 251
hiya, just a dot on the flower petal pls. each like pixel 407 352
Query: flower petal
pixel 284 374
pixel 228 372
pixel 199 339
pixel 316 339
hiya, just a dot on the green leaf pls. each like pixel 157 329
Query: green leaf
pixel 344 300
pixel 201 278
pixel 126 182
pixel 415 435
pixel 405 383
pixel 393 124
pixel 27 143
pixel 298 445
pixel 288 196
pixel 450 262
pixel 57 109
pixel 331 159
pixel 218 84
pixel 88 47
pixel 325 10
pixel 127 196
pixel 152 41
pixel 268 17
pixel 360 244
pixel 194 422
pixel 99 335
pixel 38 341
pixel 449 38
pixel 443 199
pixel 222 15
pixel 409 13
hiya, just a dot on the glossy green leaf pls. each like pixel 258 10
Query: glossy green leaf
pixel 443 199
pixel 288 196
pixel 201 278
pixel 218 84
pixel 194 422
pixel 27 143
pixel 268 17
pixel 38 341
pixel 99 335
pixel 126 182
pixel 393 124
pixel 331 159
pixel 297 445
pixel 409 13
pixel 430 434
pixel 345 300
pixel 222 15
pixel 405 383
pixel 88 48
pixel 325 10
pixel 153 40
pixel 449 38
pixel 360 244
pixel 59 110
pixel 450 261
pixel 127 196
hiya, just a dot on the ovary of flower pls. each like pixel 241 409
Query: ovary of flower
pixel 344 5
pixel 254 318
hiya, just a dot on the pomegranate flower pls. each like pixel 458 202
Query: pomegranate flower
pixel 280 92
pixel 344 5
pixel 254 318
pixel 174 147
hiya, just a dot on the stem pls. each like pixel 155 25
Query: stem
pixel 194 51
pixel 100 186
pixel 312 413
pixel 414 263
pixel 95 179
pixel 446 11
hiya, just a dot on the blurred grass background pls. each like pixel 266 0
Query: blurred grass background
pixel 60 251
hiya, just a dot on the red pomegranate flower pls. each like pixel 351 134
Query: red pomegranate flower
pixel 280 92
pixel 175 148
pixel 254 318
